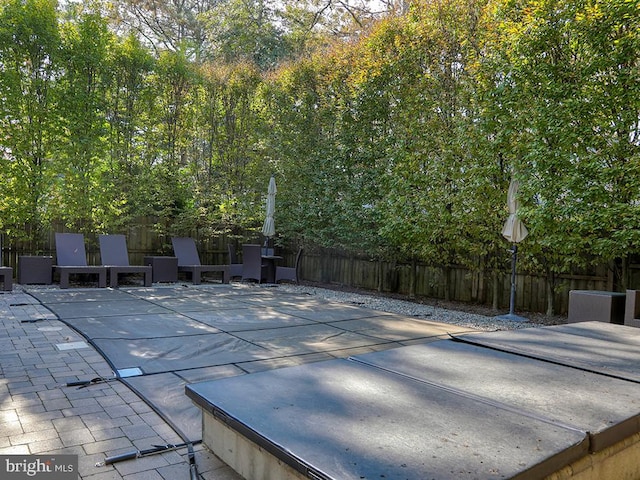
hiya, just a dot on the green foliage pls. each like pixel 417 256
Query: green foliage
pixel 29 44
pixel 246 32
pixel 226 169
pixel 397 144
pixel 441 196
pixel 574 96
pixel 78 194
pixel 128 177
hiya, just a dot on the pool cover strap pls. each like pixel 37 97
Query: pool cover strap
pixel 193 468
pixel 152 451
pixel 85 383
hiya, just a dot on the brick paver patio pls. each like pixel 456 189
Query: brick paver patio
pixel 40 414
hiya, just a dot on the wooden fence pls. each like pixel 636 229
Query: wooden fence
pixel 337 269
pixel 464 285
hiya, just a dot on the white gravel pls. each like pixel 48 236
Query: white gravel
pixel 403 307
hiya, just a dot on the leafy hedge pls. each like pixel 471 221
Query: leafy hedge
pixel 400 145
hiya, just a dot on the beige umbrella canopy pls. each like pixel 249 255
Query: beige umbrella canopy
pixel 269 226
pixel 514 230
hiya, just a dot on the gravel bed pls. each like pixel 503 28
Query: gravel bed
pixel 431 312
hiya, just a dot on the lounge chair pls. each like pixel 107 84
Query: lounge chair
pixel 71 258
pixel 115 256
pixel 6 277
pixel 289 273
pixel 189 260
pixel 235 268
pixel 252 267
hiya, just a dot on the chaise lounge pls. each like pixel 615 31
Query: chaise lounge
pixel 189 261
pixel 115 256
pixel 71 258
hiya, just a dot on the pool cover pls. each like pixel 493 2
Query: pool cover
pixel 344 420
pixel 159 339
pixel 598 347
pixel 446 409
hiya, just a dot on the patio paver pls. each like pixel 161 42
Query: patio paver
pixel 40 415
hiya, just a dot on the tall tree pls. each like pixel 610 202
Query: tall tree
pixel 433 209
pixel 29 44
pixel 571 82
pixel 226 163
pixel 264 30
pixel 340 19
pixel 168 138
pixel 173 25
pixel 291 100
pixel 246 31
pixel 129 102
pixel 80 197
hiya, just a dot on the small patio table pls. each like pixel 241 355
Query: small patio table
pixel 270 262
pixel 33 269
pixel 165 269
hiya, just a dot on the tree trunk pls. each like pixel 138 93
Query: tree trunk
pixel 447 283
pixel 412 279
pixel 495 301
pixel 550 282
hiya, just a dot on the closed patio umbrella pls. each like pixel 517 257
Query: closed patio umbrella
pixel 269 226
pixel 515 231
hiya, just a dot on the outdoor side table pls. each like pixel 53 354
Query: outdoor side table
pixel 165 269
pixel 596 305
pixel 270 267
pixel 35 269
pixel 6 277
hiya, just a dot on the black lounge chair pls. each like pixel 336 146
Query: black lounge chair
pixel 235 268
pixel 6 277
pixel 71 258
pixel 252 267
pixel 189 260
pixel 115 256
pixel 289 273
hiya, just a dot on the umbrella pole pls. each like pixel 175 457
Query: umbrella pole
pixel 512 298
pixel 511 316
